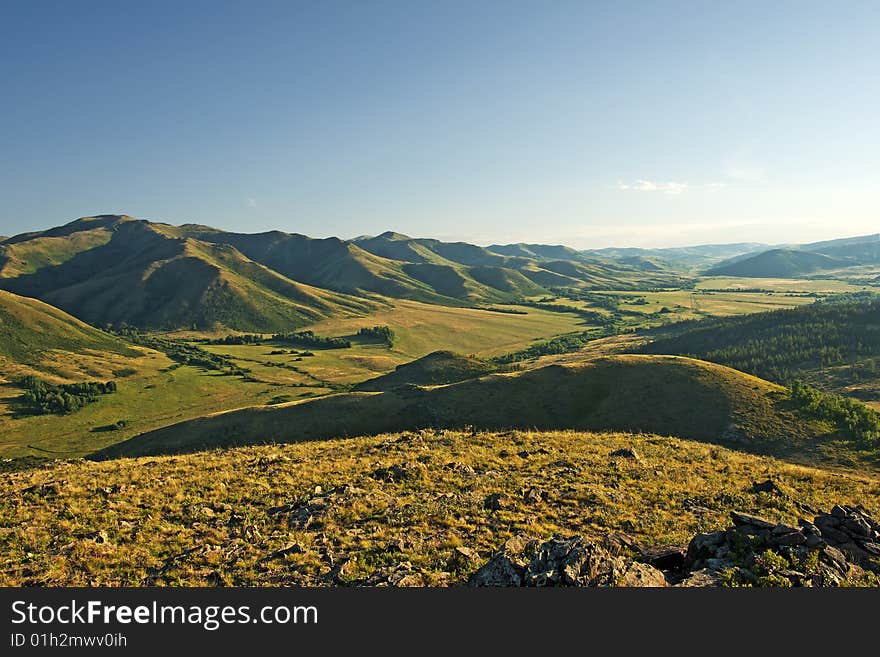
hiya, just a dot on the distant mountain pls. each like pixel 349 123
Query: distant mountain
pixel 689 257
pixel 829 246
pixel 115 270
pixel 536 251
pixel 804 259
pixel 31 329
pixel 522 269
pixel 777 263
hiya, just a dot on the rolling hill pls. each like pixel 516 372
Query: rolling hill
pixel 778 263
pixel 688 257
pixel 658 394
pixel 437 368
pixel 30 328
pixel 835 346
pixel 114 271
pixel 804 260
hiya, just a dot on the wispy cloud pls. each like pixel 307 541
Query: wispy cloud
pixel 251 202
pixel 664 187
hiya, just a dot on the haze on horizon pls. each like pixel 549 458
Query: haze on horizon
pixel 585 124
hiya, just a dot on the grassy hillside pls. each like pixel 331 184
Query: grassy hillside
pixel 152 276
pixel 777 263
pixel 665 395
pixel 833 345
pixel 339 512
pixel 437 368
pixel 783 344
pixel 29 329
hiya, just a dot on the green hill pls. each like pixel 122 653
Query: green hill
pixel 666 395
pixel 778 263
pixel 834 345
pixel 29 328
pixel 437 368
pixel 155 276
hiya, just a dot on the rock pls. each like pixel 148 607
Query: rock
pixel 290 548
pixel 534 495
pixel 627 453
pixel 668 560
pixel 496 502
pixel 642 575
pixel 463 558
pixel 506 567
pixel 99 536
pixel 402 575
pixel 401 472
pixel 768 486
pixel 703 546
pixel 835 559
pixel 740 519
pixel 838 511
pixel 572 561
pixel 49 489
pixel 705 577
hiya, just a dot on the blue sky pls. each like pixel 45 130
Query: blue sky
pixel 589 124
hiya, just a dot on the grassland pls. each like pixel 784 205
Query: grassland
pixel 153 396
pixel 323 513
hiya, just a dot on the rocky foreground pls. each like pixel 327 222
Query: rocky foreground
pixel 835 549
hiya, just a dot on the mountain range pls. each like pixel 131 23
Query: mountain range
pixel 114 270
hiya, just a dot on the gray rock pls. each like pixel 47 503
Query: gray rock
pixel 627 453
pixel 642 575
pixel 746 519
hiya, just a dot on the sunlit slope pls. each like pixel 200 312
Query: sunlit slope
pixel 29 328
pixel 659 394
pixel 152 276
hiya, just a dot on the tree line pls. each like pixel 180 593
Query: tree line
pixel 42 398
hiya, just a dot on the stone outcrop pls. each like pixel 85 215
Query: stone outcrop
pixel 835 548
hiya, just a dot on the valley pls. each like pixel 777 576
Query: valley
pixel 249 371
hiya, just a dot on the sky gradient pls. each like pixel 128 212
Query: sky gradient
pixel 588 124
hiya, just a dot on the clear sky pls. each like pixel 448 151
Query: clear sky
pixel 591 124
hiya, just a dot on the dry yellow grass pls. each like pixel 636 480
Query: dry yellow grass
pixel 212 517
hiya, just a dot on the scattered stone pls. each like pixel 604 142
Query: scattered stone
pixel 534 495
pixel 768 486
pixel 401 575
pixel 401 472
pixel 496 502
pixel 561 561
pixel 290 548
pixel 753 551
pixel 463 558
pixel 49 489
pixel 98 536
pixel 507 566
pixel 627 453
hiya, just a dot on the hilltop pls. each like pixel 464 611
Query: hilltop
pixel 667 395
pixel 437 368
pixel 424 508
pixel 777 263
pixel 805 259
